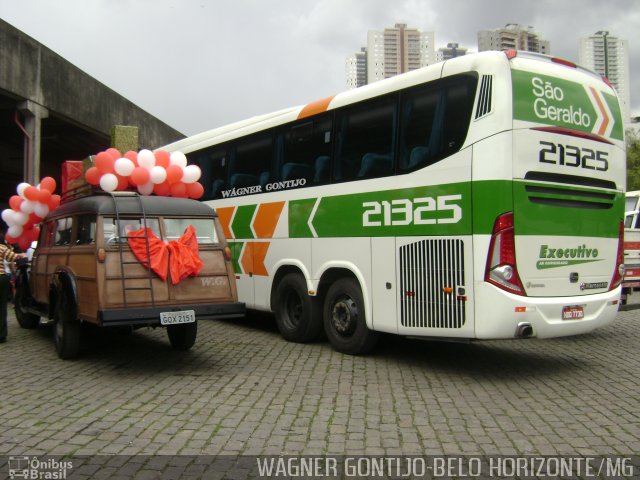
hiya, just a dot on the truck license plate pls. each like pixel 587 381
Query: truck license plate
pixel 573 312
pixel 173 318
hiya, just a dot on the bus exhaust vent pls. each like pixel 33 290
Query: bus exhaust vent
pixel 485 97
pixel 432 284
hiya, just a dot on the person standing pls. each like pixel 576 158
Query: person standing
pixel 8 256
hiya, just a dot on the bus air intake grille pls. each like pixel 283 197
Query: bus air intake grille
pixel 484 97
pixel 432 283
pixel 569 198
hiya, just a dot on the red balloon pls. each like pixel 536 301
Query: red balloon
pixel 31 193
pixel 139 176
pixel 14 202
pixel 9 239
pixel 133 156
pixel 48 184
pixel 114 153
pixel 195 190
pixel 54 202
pixel 162 158
pixel 162 189
pixel 174 174
pixel 24 242
pixel 44 196
pixel 93 176
pixel 33 218
pixel 178 190
pixel 104 162
pixel 34 234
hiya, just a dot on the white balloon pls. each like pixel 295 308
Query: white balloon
pixel 123 166
pixel 157 174
pixel 7 216
pixel 41 209
pixel 178 158
pixel 146 189
pixel 108 182
pixel 146 159
pixel 20 218
pixel 28 206
pixel 15 231
pixel 191 173
pixel 21 188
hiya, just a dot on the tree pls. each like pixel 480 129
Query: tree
pixel 633 160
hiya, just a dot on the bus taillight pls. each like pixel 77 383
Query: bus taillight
pixel 501 268
pixel 618 273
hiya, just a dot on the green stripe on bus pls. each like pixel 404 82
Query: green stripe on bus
pixel 241 224
pixel 236 251
pixel 299 214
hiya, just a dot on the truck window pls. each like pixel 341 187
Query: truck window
pixel 205 229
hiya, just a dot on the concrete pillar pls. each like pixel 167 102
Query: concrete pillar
pixel 33 116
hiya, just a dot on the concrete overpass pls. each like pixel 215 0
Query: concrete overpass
pixel 51 111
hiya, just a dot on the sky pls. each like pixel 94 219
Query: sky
pixel 200 64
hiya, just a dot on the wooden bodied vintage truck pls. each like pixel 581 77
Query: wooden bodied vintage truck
pixel 125 260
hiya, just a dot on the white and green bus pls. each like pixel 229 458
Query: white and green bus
pixel 478 198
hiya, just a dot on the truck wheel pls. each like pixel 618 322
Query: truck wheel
pixel 297 313
pixel 20 301
pixel 182 336
pixel 67 328
pixel 344 319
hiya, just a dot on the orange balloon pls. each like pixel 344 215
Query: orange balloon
pixel 162 158
pixel 123 182
pixel 178 189
pixel 195 190
pixel 139 176
pixel 48 183
pixel 31 193
pixel 162 189
pixel 174 174
pixel 114 153
pixel 93 175
pixel 14 202
pixel 44 196
pixel 104 162
pixel 55 201
pixel 133 156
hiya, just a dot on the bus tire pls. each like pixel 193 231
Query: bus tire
pixel 66 335
pixel 344 319
pixel 20 300
pixel 298 315
pixel 182 336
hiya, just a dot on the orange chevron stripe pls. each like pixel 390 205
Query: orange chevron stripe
pixel 253 256
pixel 313 108
pixel 267 218
pixel 605 123
pixel 225 215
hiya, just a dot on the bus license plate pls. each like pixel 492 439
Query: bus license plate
pixel 173 318
pixel 572 313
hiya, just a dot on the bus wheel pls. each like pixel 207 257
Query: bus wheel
pixel 344 318
pixel 67 328
pixel 183 335
pixel 297 314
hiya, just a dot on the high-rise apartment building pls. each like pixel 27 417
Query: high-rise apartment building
pixel 392 51
pixel 512 36
pixel 356 69
pixel 608 55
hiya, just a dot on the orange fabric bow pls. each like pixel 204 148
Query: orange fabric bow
pixel 178 257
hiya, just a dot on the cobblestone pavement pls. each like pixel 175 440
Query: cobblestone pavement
pixel 243 390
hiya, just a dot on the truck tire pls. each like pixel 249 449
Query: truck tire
pixel 66 327
pixel 182 336
pixel 298 316
pixel 344 318
pixel 20 302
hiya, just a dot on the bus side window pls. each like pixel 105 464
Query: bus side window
pixel 366 140
pixel 307 151
pixel 434 121
pixel 251 165
pixel 213 164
